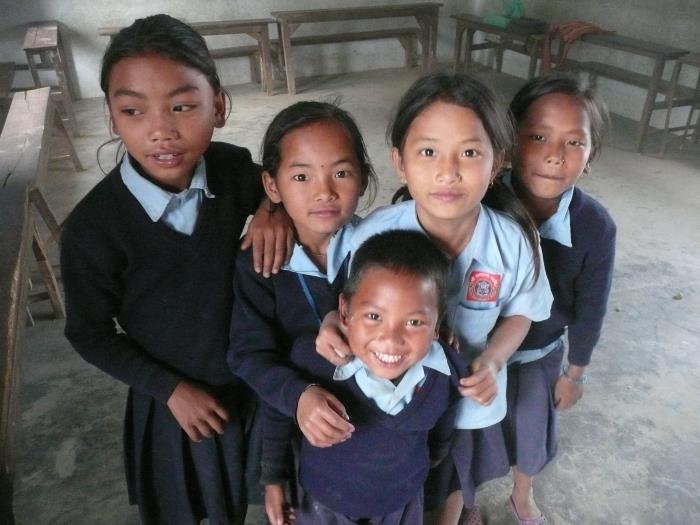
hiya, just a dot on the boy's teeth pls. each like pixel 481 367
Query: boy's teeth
pixel 169 156
pixel 388 358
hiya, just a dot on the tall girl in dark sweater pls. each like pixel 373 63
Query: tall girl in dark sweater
pixel 147 262
pixel 559 133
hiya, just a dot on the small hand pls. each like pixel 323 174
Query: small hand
pixel 481 385
pixel 322 418
pixel 566 393
pixel 331 343
pixel 198 413
pixel 271 234
pixel 278 511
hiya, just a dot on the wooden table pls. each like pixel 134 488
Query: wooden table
pixel 652 83
pixel 525 42
pixel 255 28
pixel 426 14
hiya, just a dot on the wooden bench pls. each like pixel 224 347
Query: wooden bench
pixel 501 39
pixel 425 14
pixel 691 60
pixel 258 55
pixel 7 75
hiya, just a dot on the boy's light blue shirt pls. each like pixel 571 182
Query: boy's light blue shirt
pixel 179 211
pixel 498 251
pixel 388 397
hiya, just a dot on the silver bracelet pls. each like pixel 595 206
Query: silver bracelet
pixel 577 381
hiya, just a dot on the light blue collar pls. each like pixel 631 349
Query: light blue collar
pixel 338 249
pixel 392 398
pixel 155 199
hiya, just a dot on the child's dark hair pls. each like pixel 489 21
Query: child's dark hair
pixel 467 92
pixel 303 114
pixel 401 251
pixel 165 36
pixel 593 105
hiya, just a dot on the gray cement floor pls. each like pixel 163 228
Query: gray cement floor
pixel 630 450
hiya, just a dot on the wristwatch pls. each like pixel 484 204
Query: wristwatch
pixel 577 381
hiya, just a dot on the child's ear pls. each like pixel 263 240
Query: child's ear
pixel 270 186
pixel 397 161
pixel 498 161
pixel 220 109
pixel 343 311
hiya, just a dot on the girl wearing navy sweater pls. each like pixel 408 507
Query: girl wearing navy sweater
pixel 559 133
pixel 147 263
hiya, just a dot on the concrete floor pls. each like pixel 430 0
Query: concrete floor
pixel 630 450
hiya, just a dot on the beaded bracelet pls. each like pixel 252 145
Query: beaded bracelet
pixel 577 381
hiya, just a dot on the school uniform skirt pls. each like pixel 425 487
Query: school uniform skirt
pixel 312 512
pixel 530 425
pixel 175 481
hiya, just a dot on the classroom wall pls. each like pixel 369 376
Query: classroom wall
pixel 673 22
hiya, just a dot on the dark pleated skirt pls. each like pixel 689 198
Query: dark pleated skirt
pixel 530 425
pixel 311 512
pixel 177 482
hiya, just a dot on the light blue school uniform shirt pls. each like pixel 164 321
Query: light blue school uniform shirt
pixel 388 397
pixel 179 211
pixel 558 229
pixel 491 278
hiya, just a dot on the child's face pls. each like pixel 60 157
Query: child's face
pixel 447 162
pixel 554 145
pixel 390 321
pixel 165 112
pixel 318 180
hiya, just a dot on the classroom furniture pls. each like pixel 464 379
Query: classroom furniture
pixel 44 50
pixel 652 82
pixel 426 15
pixel 679 96
pixel 7 75
pixel 525 41
pixel 259 54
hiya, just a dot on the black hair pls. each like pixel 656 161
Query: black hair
pixel 309 112
pixel 467 92
pixel 165 36
pixel 593 105
pixel 401 251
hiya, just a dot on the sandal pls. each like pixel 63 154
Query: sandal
pixel 470 516
pixel 540 520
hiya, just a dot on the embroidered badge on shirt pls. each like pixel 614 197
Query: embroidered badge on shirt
pixel 483 286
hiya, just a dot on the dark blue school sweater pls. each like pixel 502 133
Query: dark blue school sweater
pixel 580 279
pixel 170 293
pixel 386 461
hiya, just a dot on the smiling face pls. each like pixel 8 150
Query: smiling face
pixel 390 320
pixel 554 147
pixel 165 112
pixel 447 161
pixel 319 181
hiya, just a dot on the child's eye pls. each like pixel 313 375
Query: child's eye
pixel 537 138
pixel 131 111
pixel 342 174
pixel 470 153
pixel 183 107
pixel 300 177
pixel 415 322
pixel 372 316
pixel 427 152
pixel 577 143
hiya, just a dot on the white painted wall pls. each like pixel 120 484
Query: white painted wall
pixel 673 22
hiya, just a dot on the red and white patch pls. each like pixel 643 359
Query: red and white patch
pixel 483 287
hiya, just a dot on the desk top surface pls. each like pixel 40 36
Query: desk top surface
pixel 357 13
pixel 477 22
pixel 206 28
pixel 634 45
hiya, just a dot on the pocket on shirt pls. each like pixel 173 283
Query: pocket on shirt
pixel 473 324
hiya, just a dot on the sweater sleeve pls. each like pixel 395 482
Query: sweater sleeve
pixel 276 461
pixel 91 265
pixel 256 352
pixel 591 291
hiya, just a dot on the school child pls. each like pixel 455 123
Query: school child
pixel 559 133
pixel 147 262
pixel 449 138
pixel 316 165
pixel 398 388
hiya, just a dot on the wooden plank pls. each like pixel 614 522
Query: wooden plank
pixel 7 76
pixel 634 45
pixel 41 36
pixel 22 157
pixel 356 13
pixel 353 36
pixel 220 27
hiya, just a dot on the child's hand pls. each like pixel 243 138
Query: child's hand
pixel 322 418
pixel 566 393
pixel 481 385
pixel 331 343
pixel 196 411
pixel 278 510
pixel 271 234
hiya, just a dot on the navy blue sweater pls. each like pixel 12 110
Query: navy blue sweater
pixel 170 293
pixel 386 461
pixel 580 279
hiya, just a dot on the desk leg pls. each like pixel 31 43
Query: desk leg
pixel 649 103
pixel 669 107
pixel 425 41
pixel 433 40
pixel 459 39
pixel 286 41
pixel 468 49
pixel 264 44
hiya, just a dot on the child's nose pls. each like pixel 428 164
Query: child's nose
pixel 555 155
pixel 163 127
pixel 392 334
pixel 449 170
pixel 325 189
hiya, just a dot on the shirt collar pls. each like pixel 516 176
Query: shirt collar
pixel 337 252
pixel 153 198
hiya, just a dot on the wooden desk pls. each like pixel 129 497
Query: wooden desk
pixel 255 28
pixel 525 42
pixel 426 14
pixel 653 83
